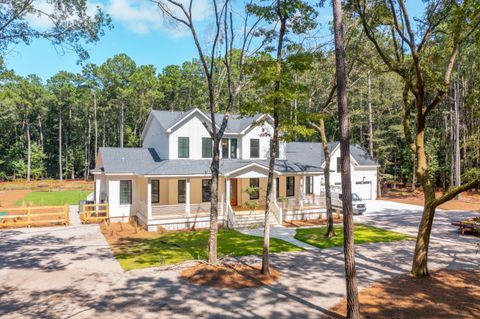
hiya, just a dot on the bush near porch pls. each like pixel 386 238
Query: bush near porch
pixel 363 234
pixel 145 249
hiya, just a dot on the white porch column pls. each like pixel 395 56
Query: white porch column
pixel 149 199
pixel 302 190
pixel 97 191
pixel 187 197
pixel 227 191
pixel 274 189
pixel 222 199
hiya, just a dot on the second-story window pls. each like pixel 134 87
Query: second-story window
pixel 224 147
pixel 233 148
pixel 229 148
pixel 183 147
pixel 339 165
pixel 206 147
pixel 254 148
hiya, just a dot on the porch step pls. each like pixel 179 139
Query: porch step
pixel 245 220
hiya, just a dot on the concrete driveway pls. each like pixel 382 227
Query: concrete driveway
pixel 69 272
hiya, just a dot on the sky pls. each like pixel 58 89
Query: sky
pixel 139 30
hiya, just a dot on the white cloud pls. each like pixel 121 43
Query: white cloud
pixel 143 16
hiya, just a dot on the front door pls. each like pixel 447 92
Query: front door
pixel 233 192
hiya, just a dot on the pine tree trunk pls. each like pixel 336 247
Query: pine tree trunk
pixel 326 172
pixel 457 135
pixel 95 124
pixel 29 150
pixel 370 121
pixel 40 130
pixel 60 159
pixel 121 124
pixel 353 305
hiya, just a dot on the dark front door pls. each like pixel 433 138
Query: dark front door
pixel 233 192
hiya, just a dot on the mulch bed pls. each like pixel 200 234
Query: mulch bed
pixel 229 275
pixel 445 294
pixel 310 222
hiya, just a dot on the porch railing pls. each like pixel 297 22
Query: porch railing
pixel 305 202
pixel 277 211
pixel 231 219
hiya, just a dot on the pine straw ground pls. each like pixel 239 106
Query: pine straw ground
pixel 445 294
pixel 229 275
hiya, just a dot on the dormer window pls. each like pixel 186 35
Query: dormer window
pixel 254 148
pixel 183 147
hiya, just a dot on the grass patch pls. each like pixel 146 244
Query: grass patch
pixel 362 234
pixel 175 247
pixel 53 198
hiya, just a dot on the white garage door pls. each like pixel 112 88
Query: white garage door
pixel 363 189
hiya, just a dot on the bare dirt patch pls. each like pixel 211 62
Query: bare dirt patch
pixel 311 222
pixel 468 200
pixel 47 185
pixel 229 275
pixel 446 294
pixel 8 198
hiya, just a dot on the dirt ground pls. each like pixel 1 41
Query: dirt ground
pixel 231 275
pixel 468 201
pixel 47 185
pixel 446 294
pixel 8 198
pixel 311 222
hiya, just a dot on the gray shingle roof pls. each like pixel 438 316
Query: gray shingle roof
pixel 311 153
pixel 236 123
pixel 145 161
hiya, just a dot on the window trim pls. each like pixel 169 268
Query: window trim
pixel 257 148
pixel 309 185
pixel 290 194
pixel 255 196
pixel 230 148
pixel 211 147
pixel 130 186
pixel 185 138
pixel 155 181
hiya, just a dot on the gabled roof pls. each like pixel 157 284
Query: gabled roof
pixel 145 161
pixel 312 153
pixel 237 124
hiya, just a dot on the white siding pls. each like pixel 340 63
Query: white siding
pixel 256 132
pixel 366 175
pixel 195 131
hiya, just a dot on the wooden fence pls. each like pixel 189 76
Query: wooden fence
pixel 94 213
pixel 34 216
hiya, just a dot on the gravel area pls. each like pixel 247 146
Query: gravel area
pixel 69 272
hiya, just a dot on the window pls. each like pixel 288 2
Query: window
pixel 181 191
pixel 339 164
pixel 255 182
pixel 309 184
pixel 254 148
pixel 278 187
pixel 183 147
pixel 224 147
pixel 290 186
pixel 206 147
pixel 229 148
pixel 206 183
pixel 125 192
pixel 155 191
pixel 233 148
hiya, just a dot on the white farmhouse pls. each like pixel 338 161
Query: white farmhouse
pixel 166 183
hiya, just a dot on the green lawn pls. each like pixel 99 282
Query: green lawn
pixel 177 247
pixel 362 234
pixel 53 198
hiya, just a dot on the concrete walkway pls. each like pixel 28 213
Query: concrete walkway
pixel 277 231
pixel 69 272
